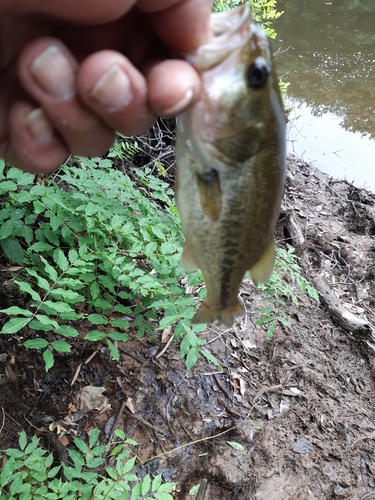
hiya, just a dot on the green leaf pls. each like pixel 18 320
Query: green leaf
pixel 40 246
pixel 136 492
pixel 120 336
pixel 22 441
pixel 94 289
pixel 15 325
pixel 46 320
pixel 93 463
pixel 6 229
pixel 194 490
pixel 7 186
pixel 158 232
pixel 77 458
pixel 81 445
pixel 60 259
pixel 51 237
pixel 146 484
pixel 49 269
pixel 271 330
pixel 120 323
pixel 38 326
pixel 192 357
pixel 132 442
pixel 59 307
pixel 73 256
pixel 156 483
pixel 282 320
pixel 94 435
pixel 67 295
pixel 36 343
pixel 67 331
pixel 235 445
pixel 61 346
pixel 168 321
pixel 266 310
pixel 49 360
pixel 114 351
pixel 13 310
pixel 262 321
pixel 25 287
pixel 53 472
pixel 97 319
pixel 13 250
pixel 120 433
pixel 28 234
pixel 22 178
pixel 211 358
pixel 95 336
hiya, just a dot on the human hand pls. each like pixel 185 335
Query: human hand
pixel 73 72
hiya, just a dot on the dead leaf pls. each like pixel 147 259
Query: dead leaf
pixel 130 405
pixel 91 357
pixel 9 372
pixel 71 409
pixel 166 335
pixel 77 372
pixel 63 440
pixel 242 386
pixel 91 398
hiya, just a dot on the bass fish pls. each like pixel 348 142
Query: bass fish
pixel 230 152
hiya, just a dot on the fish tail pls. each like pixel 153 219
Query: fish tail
pixel 227 315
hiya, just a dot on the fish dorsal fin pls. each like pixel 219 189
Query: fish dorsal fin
pixel 262 270
pixel 210 193
pixel 187 260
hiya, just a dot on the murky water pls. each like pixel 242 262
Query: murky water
pixel 328 56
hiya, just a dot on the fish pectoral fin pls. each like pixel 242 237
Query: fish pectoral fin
pixel 262 270
pixel 227 315
pixel 187 260
pixel 210 193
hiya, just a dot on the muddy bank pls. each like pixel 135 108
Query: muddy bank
pixel 301 405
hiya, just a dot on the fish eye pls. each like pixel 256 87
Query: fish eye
pixel 257 75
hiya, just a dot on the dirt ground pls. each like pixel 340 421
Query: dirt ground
pixel 301 404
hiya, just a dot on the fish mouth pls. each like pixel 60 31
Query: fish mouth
pixel 231 30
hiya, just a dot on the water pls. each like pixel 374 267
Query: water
pixel 327 53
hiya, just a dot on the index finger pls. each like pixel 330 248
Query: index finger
pixel 182 24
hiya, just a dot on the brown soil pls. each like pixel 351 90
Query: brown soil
pixel 301 404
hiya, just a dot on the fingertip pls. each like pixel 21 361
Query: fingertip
pixel 116 91
pixel 185 25
pixel 172 87
pixel 32 144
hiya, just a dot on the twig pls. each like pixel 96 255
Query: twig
pixel 203 490
pixel 369 436
pixel 147 424
pixel 263 390
pixel 198 440
pixel 165 347
pixel 116 422
pixel 2 425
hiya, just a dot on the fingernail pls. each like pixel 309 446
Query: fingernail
pixel 112 90
pixel 54 73
pixel 39 127
pixel 181 105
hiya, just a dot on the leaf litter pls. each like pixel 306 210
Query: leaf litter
pixel 290 417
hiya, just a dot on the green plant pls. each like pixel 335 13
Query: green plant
pixel 122 148
pixel 104 250
pixel 263 11
pixel 278 288
pixel 29 472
